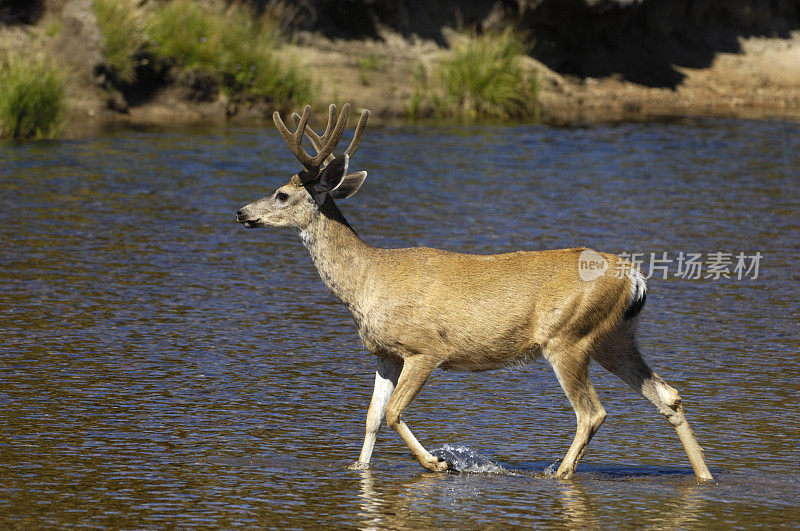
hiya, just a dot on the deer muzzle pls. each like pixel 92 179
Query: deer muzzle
pixel 248 218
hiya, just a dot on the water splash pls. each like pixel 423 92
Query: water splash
pixel 464 459
pixel 551 470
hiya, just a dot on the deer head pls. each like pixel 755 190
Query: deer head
pixel 324 175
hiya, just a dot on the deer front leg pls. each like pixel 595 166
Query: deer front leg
pixel 386 375
pixel 415 373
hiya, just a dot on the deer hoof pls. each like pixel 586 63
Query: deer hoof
pixel 564 474
pixel 434 464
pixel 359 465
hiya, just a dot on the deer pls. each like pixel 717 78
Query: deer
pixel 420 309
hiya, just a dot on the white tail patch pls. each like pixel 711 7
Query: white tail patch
pixel 638 292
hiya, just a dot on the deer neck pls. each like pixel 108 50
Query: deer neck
pixel 341 257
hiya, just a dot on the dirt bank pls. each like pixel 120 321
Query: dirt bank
pixel 761 80
pixel 595 60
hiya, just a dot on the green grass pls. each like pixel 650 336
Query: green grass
pixel 481 76
pixel 31 98
pixel 121 23
pixel 244 51
pixel 53 27
pixel 367 65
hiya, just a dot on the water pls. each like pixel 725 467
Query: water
pixel 162 366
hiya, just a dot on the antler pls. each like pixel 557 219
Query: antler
pixel 324 144
pixel 319 141
pixel 360 128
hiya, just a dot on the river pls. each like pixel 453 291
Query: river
pixel 163 366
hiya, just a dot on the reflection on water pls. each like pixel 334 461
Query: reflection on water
pixel 430 501
pixel 163 366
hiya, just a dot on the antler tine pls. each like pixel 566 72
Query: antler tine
pixel 331 122
pixel 326 143
pixel 332 136
pixel 360 128
pixel 294 140
pixel 319 141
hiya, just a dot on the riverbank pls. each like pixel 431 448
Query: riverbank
pixel 751 76
pixel 761 81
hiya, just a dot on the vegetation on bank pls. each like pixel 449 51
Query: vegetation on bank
pixel 31 97
pixel 205 47
pixel 122 25
pixel 240 51
pixel 480 76
pixel 243 55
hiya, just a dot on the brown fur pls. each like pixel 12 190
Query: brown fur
pixel 419 309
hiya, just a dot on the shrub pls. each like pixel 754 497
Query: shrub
pixel 31 98
pixel 241 49
pixel 481 76
pixel 121 23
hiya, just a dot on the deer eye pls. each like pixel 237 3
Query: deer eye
pixel 281 197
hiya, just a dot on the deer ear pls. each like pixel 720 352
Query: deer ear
pixel 332 175
pixel 349 185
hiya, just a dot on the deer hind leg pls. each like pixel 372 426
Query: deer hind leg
pixel 386 375
pixel 415 373
pixel 621 356
pixel 572 372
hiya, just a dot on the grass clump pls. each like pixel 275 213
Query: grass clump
pixel 241 49
pixel 31 97
pixel 121 23
pixel 481 76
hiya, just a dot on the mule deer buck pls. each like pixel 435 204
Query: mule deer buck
pixel 419 309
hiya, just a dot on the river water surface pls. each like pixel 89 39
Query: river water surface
pixel 163 366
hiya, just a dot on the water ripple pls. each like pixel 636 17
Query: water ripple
pixel 161 366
